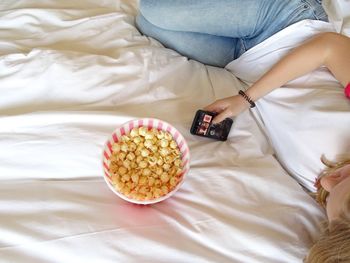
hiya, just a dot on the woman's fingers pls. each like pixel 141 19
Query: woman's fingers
pixel 222 108
pixel 227 107
pixel 221 116
pixel 216 106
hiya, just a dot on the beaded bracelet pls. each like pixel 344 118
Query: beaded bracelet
pixel 247 98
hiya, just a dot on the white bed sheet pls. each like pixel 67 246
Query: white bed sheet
pixel 70 72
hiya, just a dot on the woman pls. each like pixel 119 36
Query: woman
pixel 215 32
pixel 334 194
pixel 333 51
pixel 179 25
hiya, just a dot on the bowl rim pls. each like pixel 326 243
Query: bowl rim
pixel 149 123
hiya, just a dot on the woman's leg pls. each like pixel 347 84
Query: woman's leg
pixel 204 29
pixel 228 18
pixel 282 14
pixel 208 49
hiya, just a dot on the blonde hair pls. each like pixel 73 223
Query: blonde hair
pixel 331 166
pixel 333 246
pixel 334 243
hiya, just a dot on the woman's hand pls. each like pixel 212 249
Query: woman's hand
pixel 227 107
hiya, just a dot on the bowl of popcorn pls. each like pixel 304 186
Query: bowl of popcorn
pixel 145 161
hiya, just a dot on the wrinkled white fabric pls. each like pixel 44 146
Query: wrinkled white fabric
pixel 338 14
pixel 70 73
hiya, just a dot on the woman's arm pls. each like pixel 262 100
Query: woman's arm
pixel 329 49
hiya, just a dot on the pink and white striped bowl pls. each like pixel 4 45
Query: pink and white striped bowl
pixel 149 123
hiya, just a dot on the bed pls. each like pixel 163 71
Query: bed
pixel 73 71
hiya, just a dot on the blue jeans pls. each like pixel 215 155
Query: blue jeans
pixel 215 32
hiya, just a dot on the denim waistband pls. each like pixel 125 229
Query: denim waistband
pixel 316 6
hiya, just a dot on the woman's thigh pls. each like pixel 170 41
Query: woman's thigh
pixel 205 48
pixel 229 18
pixel 215 32
pixel 281 15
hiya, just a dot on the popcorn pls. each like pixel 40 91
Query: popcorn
pixel 126 178
pixel 159 171
pixel 177 163
pixel 166 167
pixel 157 193
pixel 173 181
pixel 160 135
pixel 132 147
pixel 139 159
pixel 134 132
pixel 143 180
pixel 164 189
pixel 142 131
pixel 124 147
pixel 154 148
pixel 131 156
pixel 145 164
pixel 164 151
pixel 135 178
pixel 116 148
pixel 152 161
pixel 122 170
pixel 173 144
pixel 168 136
pixel 144 152
pixel 137 140
pixel 146 172
pixel 164 177
pixel 125 138
pixel 164 143
pixel 148 144
pixel 160 161
pixel 121 156
pixel 149 135
pixel 151 181
pixel 126 164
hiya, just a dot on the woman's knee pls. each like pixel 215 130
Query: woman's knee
pixel 152 10
pixel 165 14
pixel 147 5
pixel 144 26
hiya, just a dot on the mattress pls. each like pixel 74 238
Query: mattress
pixel 71 72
